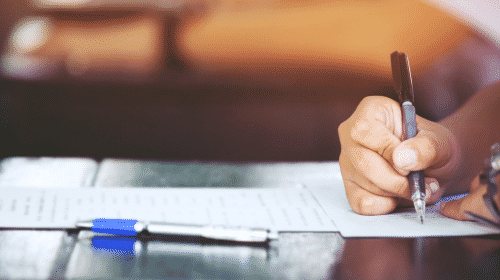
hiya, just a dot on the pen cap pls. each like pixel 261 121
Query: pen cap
pixel 115 226
pixel 406 81
pixel 401 76
pixel 396 72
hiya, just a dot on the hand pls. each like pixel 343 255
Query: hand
pixel 473 203
pixel 375 162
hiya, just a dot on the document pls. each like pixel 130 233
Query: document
pixel 26 254
pixel 47 172
pixel 401 223
pixel 290 209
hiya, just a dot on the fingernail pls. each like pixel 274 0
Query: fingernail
pixel 406 158
pixel 434 187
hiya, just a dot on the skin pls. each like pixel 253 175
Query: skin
pixel 374 161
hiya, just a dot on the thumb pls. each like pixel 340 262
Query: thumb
pixel 425 151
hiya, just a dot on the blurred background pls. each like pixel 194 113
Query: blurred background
pixel 230 80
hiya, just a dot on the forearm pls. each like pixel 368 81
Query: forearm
pixel 476 126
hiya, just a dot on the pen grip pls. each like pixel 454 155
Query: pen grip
pixel 409 120
pixel 415 178
pixel 416 181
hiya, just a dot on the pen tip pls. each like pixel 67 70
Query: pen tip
pixel 421 220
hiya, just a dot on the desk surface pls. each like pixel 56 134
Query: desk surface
pixel 56 254
pixel 42 255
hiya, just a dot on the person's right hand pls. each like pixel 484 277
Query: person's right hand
pixel 375 162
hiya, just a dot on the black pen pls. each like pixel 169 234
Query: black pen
pixel 401 76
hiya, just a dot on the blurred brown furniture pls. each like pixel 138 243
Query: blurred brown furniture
pixel 239 80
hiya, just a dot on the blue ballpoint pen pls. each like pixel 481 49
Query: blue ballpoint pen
pixel 132 227
pixel 401 76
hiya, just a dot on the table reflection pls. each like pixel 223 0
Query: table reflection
pixel 420 258
pixel 101 256
pixel 291 257
pixel 28 254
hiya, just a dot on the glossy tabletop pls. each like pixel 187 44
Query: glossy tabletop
pixel 26 254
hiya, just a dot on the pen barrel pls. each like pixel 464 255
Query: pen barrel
pixel 211 232
pixel 415 178
pixel 417 185
pixel 236 234
pixel 409 118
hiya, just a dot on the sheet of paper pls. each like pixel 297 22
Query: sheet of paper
pixel 402 223
pixel 47 172
pixel 291 209
pixel 26 254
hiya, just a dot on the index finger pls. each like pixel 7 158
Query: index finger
pixel 378 126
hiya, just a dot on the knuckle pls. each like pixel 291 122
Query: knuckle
pixel 341 129
pixel 359 130
pixel 371 99
pixel 367 100
pixel 377 99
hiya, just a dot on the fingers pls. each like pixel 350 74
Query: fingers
pixel 367 203
pixel 376 137
pixel 473 203
pixel 433 191
pixel 476 184
pixel 374 161
pixel 415 154
pixel 368 199
pixel 378 195
pixel 436 153
pixel 351 173
pixel 384 180
pixel 376 125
